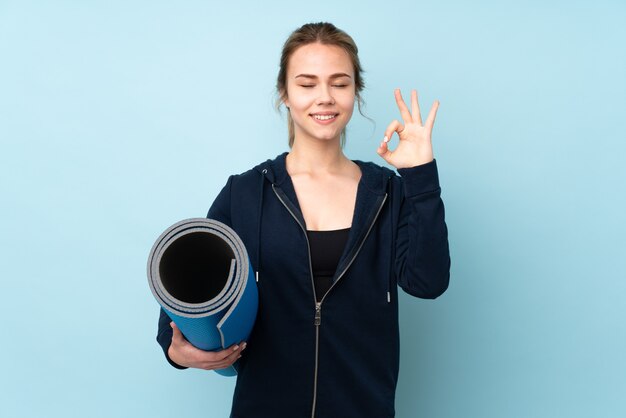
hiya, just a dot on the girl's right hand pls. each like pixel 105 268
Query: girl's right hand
pixel 184 354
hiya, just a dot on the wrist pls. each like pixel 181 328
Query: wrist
pixel 420 179
pixel 416 163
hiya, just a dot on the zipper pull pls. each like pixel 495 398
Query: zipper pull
pixel 318 314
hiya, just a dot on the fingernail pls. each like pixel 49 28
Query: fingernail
pixel 385 139
pixel 235 348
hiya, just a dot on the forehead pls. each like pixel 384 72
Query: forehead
pixel 320 60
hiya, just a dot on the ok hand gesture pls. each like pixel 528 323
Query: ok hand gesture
pixel 415 146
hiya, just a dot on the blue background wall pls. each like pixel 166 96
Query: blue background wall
pixel 118 119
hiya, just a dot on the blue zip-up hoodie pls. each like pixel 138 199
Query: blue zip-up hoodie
pixel 338 358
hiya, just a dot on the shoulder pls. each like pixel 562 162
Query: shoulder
pixel 269 168
pixel 372 167
pixel 377 177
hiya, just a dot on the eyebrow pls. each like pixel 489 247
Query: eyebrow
pixel 336 75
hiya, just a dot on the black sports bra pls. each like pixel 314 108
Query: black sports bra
pixel 326 250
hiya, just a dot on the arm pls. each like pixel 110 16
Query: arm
pixel 178 351
pixel 422 261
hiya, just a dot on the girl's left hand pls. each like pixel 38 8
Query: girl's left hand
pixel 415 146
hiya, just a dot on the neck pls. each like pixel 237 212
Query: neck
pixel 315 156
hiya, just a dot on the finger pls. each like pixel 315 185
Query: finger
pixel 234 356
pixel 228 360
pixel 415 108
pixel 176 334
pixel 217 356
pixel 220 366
pixel 404 111
pixel 394 126
pixel 216 367
pixel 430 121
pixel 384 151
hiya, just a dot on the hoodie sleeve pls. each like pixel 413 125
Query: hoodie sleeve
pixel 219 211
pixel 422 255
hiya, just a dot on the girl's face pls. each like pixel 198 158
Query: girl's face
pixel 320 91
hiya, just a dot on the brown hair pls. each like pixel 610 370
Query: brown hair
pixel 326 34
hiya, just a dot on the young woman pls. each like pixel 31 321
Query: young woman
pixel 330 239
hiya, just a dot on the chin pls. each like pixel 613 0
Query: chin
pixel 325 135
pixel 328 138
pixel 329 135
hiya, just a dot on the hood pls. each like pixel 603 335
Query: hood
pixel 374 177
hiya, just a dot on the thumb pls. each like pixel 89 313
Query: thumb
pixel 178 335
pixel 175 330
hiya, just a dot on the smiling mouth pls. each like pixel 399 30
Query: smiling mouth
pixel 325 117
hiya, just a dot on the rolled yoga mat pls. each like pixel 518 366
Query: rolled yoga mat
pixel 199 272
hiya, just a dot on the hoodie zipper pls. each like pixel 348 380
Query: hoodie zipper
pixel 318 305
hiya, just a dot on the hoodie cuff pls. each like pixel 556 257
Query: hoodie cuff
pixel 420 179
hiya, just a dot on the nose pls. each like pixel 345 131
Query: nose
pixel 325 96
